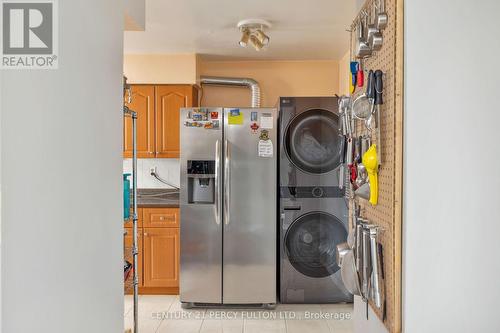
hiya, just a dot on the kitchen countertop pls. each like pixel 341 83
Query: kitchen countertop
pixel 157 198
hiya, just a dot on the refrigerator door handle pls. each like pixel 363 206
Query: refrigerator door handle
pixel 216 181
pixel 227 181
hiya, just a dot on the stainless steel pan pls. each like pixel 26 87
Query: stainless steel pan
pixel 349 274
pixel 363 191
pixel 382 17
pixel 342 250
pixel 371 27
pixel 363 50
pixel 375 38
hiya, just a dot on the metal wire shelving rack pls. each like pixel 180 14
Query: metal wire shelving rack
pixel 134 250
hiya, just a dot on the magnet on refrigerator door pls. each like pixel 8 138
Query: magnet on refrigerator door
pixel 265 148
pixel 235 117
pixel 253 116
pixel 264 135
pixel 215 124
pixel 199 115
pixel 266 121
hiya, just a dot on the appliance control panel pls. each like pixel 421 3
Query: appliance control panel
pixel 200 167
pixel 311 192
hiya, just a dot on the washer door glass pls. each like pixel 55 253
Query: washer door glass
pixel 311 244
pixel 312 141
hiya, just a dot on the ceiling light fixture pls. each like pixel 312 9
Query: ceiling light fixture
pixel 252 32
pixel 255 42
pixel 262 37
pixel 245 36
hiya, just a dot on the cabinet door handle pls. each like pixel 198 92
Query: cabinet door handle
pixel 166 218
pixel 145 234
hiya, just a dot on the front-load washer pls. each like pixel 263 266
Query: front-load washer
pixel 313 222
pixel 310 142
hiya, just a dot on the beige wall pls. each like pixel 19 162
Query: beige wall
pixel 344 72
pixel 161 68
pixel 276 78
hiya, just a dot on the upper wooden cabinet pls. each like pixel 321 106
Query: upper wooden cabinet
pixel 158 130
pixel 143 101
pixel 169 101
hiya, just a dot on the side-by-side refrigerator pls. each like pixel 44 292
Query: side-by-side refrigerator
pixel 228 206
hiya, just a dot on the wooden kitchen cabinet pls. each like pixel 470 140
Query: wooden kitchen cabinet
pixel 161 257
pixel 159 250
pixel 169 99
pixel 161 217
pixel 143 100
pixel 158 119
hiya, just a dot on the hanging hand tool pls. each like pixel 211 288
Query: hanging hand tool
pixel 367 269
pixel 370 90
pixel 382 274
pixel 375 290
pixel 360 79
pixel 371 163
pixel 342 161
pixel 354 71
pixel 350 160
pixel 379 89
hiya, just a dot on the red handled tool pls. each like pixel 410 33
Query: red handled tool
pixel 360 79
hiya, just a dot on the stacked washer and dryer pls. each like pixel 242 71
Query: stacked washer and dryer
pixel 314 213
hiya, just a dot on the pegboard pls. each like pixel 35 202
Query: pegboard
pixel 387 213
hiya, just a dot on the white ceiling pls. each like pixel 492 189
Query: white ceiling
pixel 302 29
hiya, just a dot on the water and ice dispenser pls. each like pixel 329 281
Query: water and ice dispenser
pixel 201 181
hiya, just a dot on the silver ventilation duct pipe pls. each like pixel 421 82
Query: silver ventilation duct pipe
pixel 235 81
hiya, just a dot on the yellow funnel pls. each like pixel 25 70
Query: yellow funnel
pixel 370 162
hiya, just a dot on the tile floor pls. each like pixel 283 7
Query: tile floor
pixel 159 314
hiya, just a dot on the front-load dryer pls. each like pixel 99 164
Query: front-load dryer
pixel 310 142
pixel 313 222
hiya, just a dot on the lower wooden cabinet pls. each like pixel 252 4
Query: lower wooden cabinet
pixel 161 257
pixel 159 250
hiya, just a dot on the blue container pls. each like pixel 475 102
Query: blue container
pixel 126 196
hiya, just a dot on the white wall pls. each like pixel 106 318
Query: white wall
pixel 166 168
pixel 61 152
pixel 135 15
pixel 452 164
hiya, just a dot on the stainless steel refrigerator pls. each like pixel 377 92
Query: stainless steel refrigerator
pixel 228 206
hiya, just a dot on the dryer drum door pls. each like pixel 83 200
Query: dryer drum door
pixel 312 141
pixel 311 244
